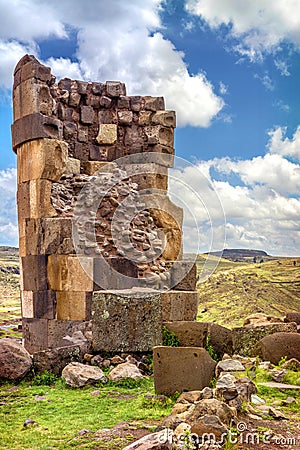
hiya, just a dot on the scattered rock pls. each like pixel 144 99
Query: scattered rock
pixel 256 400
pixel 190 397
pixel 291 364
pixel 258 319
pixel 28 422
pixel 117 360
pixel 210 407
pixel 289 401
pixel 125 370
pixel 277 374
pixel 229 365
pixel 276 414
pixel 279 345
pixel 78 375
pixel 40 398
pixel 210 425
pixel 95 393
pixel 161 440
pixel 83 432
pixel 265 365
pixel 15 360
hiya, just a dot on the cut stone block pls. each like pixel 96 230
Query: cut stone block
pixel 114 273
pixel 184 275
pixel 107 134
pixel 54 360
pixel 179 305
pixel 178 369
pixel 73 305
pixel 72 166
pixel 32 96
pixel 91 167
pixel 154 103
pixel 42 158
pixel 63 333
pixel 70 273
pixel 34 200
pixel 189 334
pixel 34 273
pixel 48 236
pixel 159 135
pixel 35 126
pixel 39 304
pixel 35 334
pixel 125 321
pixel 245 339
pixel 115 88
pixel 148 176
pixel 165 118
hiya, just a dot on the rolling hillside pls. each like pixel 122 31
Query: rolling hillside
pixel 236 290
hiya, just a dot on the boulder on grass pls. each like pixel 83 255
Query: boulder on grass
pixel 279 345
pixel 15 361
pixel 78 375
pixel 125 370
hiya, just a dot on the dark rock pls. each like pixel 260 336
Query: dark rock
pixel 15 360
pixel 279 345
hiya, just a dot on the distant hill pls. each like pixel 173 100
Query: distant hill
pixel 237 289
pixel 242 255
pixel 5 250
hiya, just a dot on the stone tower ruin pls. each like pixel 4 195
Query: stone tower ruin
pixel 100 241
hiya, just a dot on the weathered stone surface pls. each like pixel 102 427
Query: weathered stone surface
pixel 34 199
pixel 38 304
pixel 193 366
pixel 155 441
pixel 32 96
pixel 159 135
pixel 126 321
pixel 119 273
pixel 115 88
pixel 183 275
pixel 259 319
pixel 107 134
pixel 210 425
pixel 125 370
pixel 34 274
pixel 79 375
pixel 15 360
pixel 179 305
pixel 190 334
pixel 73 305
pixel 279 345
pixel 48 236
pixel 292 317
pixel 70 273
pixel 292 364
pixel 35 126
pixel 229 365
pixel 210 407
pixel 245 339
pixel 72 166
pixel 164 118
pixel 91 167
pixel 35 334
pixel 55 359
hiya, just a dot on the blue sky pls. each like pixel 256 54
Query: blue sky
pixel 229 68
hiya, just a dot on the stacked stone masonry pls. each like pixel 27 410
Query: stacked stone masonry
pixel 88 224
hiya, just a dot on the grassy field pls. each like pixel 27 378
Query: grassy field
pixel 236 290
pixel 10 305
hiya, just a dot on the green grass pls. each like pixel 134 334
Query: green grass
pixel 236 290
pixel 66 411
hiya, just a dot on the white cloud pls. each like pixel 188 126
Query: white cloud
pixel 266 81
pixel 8 213
pixel 284 146
pixel 261 26
pixel 10 53
pixel 115 40
pixel 262 208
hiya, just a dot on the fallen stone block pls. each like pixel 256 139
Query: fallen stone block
pixel 189 334
pixel 79 375
pixel 125 370
pixel 292 317
pixel 279 345
pixel 178 369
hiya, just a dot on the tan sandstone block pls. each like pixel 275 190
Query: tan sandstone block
pixel 42 158
pixel 91 167
pixel 165 118
pixel 178 369
pixel 158 134
pixel 72 166
pixel 179 305
pixel 32 96
pixel 65 273
pixel 40 199
pixel 73 306
pixel 38 304
pixel 107 134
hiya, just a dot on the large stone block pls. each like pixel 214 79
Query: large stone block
pixel 42 158
pixel 70 273
pixel 184 275
pixel 165 118
pixel 189 334
pixel 114 273
pixel 107 134
pixel 35 334
pixel 32 96
pixel 148 176
pixel 40 199
pixel 160 135
pixel 244 339
pixel 35 126
pixel 179 305
pixel 34 273
pixel 73 305
pixel 91 167
pixel 63 333
pixel 48 236
pixel 38 304
pixel 126 321
pixel 55 359
pixel 276 346
pixel 178 369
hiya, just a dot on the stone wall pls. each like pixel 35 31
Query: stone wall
pixel 94 214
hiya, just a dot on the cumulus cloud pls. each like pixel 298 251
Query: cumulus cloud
pixel 262 206
pixel 260 26
pixel 8 213
pixel 115 40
